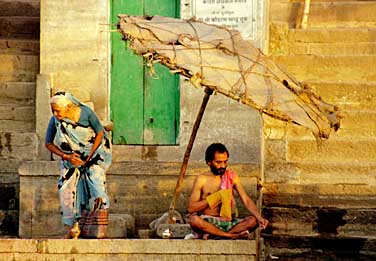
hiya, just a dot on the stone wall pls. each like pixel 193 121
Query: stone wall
pixel 324 189
pixel 74 49
pixel 19 64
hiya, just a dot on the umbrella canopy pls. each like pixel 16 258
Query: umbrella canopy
pixel 220 59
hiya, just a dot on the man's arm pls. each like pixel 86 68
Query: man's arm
pixel 248 203
pixel 195 202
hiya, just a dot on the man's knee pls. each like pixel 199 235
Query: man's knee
pixel 251 222
pixel 195 221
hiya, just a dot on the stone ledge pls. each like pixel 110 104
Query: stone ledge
pixel 126 246
pixel 51 168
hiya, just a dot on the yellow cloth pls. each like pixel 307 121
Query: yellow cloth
pixel 213 199
pixel 224 196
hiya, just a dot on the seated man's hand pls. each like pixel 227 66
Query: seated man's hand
pixel 263 223
pixel 214 199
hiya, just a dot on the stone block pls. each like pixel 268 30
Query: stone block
pixel 306 173
pixel 146 233
pixel 17 113
pixel 19 63
pixel 123 249
pixel 175 230
pixel 313 221
pixel 18 145
pixel 121 226
pixel 348 95
pixel 329 68
pixel 18 93
pixel 19 27
pixel 325 13
pixel 19 46
pixel 332 150
pixel 318 195
pixel 335 36
pixel 14 126
pixel 19 8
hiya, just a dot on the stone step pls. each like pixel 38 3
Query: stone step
pixel 342 14
pixel 329 68
pixel 356 196
pixel 339 149
pixel 21 62
pixel 284 247
pixel 315 221
pixel 126 249
pixel 355 123
pixel 326 14
pixel 331 41
pixel 9 167
pixel 18 68
pixel 20 8
pixel 332 35
pixel 19 46
pixel 18 145
pixel 17 126
pixel 327 173
pixel 348 95
pixel 20 27
pixel 17 113
pixel 338 49
pixel 18 93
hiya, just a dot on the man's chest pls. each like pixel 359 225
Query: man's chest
pixel 211 186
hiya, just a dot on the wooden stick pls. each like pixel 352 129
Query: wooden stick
pixel 179 183
pixel 307 4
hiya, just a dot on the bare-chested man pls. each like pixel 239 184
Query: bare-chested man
pixel 207 214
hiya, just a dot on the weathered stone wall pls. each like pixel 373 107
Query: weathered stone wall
pixel 324 189
pixel 19 64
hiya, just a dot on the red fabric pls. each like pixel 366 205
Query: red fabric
pixel 227 182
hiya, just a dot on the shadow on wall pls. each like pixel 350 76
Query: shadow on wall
pixel 8 210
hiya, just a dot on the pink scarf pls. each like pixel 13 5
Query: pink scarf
pixel 227 182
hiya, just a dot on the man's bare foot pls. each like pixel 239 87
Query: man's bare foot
pixel 241 235
pixel 205 236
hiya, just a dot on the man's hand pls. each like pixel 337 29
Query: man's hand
pixel 263 223
pixel 214 199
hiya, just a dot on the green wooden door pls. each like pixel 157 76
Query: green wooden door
pixel 144 107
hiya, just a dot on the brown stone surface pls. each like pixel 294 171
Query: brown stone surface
pixel 118 249
pixel 325 14
pixel 315 221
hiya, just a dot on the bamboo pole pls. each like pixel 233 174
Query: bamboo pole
pixel 307 4
pixel 179 183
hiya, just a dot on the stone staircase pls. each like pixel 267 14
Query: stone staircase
pixel 320 196
pixel 19 56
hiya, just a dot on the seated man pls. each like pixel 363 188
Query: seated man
pixel 211 201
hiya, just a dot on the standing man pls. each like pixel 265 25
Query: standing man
pixel 211 201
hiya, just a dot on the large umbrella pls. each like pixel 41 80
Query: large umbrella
pixel 220 60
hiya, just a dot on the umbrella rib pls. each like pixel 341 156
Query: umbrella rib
pixel 199 47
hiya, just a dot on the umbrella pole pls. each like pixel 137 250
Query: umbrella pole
pixel 188 150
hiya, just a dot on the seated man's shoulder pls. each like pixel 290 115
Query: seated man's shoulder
pixel 203 177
